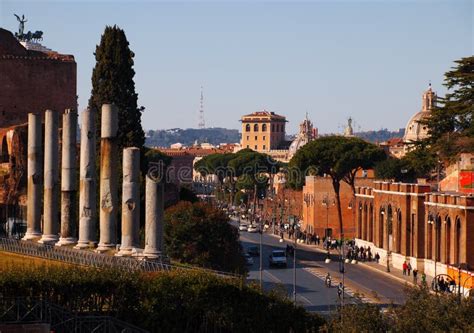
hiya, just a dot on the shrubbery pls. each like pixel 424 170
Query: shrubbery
pixel 179 301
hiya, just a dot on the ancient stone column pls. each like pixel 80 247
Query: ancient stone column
pixel 154 207
pixel 130 201
pixel 51 178
pixel 87 183
pixel 34 177
pixel 68 179
pixel 108 200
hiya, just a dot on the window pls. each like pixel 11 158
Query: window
pixel 247 128
pixel 264 147
pixel 264 137
pixel 255 128
pixel 256 147
pixel 264 127
pixel 256 138
pixel 273 127
pixel 248 146
pixel 247 137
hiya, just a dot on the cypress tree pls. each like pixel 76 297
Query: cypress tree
pixel 112 82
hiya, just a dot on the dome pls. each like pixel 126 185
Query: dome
pixel 305 135
pixel 414 131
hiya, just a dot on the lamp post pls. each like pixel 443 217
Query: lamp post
pixel 295 230
pixel 326 203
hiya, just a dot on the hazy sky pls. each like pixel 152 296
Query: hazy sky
pixel 333 59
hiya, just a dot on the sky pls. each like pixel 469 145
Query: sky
pixel 369 60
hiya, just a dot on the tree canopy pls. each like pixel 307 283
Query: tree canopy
pixel 201 235
pixel 451 126
pixel 112 82
pixel 337 157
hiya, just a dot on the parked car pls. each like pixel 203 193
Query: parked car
pixel 248 259
pixel 253 251
pixel 277 258
pixel 243 227
pixel 252 228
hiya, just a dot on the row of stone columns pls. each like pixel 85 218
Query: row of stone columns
pixel 108 200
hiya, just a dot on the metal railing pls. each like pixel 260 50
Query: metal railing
pixel 93 259
pixel 33 310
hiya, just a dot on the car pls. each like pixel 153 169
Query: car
pixel 243 227
pixel 252 228
pixel 253 250
pixel 248 259
pixel 277 258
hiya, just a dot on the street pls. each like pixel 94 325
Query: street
pixel 361 283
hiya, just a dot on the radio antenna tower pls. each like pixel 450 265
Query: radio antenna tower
pixel 201 123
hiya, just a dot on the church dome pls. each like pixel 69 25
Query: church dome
pixel 415 131
pixel 306 134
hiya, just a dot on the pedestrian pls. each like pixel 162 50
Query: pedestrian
pixel 415 276
pixel 409 268
pixel 423 279
pixel 377 257
pixel 404 267
pixel 340 290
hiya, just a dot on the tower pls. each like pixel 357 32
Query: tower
pixel 201 123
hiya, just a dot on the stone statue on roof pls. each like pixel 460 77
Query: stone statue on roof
pixel 21 28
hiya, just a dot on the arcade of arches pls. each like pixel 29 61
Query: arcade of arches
pixel 408 222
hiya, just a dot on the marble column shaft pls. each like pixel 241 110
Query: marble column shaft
pixel 68 179
pixel 34 177
pixel 154 208
pixel 87 182
pixel 130 200
pixel 51 178
pixel 108 178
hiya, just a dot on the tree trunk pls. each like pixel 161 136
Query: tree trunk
pixel 336 185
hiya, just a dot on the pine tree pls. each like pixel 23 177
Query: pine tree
pixel 451 127
pixel 112 82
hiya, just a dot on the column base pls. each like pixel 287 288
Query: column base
pixel 101 248
pixel 151 253
pixel 81 245
pixel 48 239
pixel 64 241
pixel 31 235
pixel 125 252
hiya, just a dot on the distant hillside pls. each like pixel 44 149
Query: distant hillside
pixel 381 135
pixel 215 136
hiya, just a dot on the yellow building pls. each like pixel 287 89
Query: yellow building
pixel 263 131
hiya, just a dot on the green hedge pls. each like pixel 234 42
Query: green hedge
pixel 177 301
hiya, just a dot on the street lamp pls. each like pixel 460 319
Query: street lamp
pixel 326 203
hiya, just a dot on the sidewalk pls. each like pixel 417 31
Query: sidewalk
pixel 394 273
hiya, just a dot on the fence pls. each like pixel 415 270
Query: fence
pixel 32 310
pixel 92 259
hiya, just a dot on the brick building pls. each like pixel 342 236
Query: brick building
pixel 33 81
pixel 433 231
pixel 319 205
pixel 263 131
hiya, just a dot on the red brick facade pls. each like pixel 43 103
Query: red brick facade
pixel 32 81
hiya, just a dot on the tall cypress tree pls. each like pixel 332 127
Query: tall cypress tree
pixel 112 82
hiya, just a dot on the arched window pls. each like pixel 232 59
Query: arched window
pixel 371 223
pixel 438 239
pixel 264 127
pixel 457 242
pixel 4 151
pixel 255 128
pixel 447 241
pixel 247 128
pixel 273 127
pixel 399 232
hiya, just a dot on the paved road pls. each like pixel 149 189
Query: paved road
pixel 311 291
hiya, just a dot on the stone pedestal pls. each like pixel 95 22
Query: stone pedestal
pixel 108 178
pixel 51 179
pixel 34 177
pixel 87 183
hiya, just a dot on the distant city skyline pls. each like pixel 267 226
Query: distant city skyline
pixel 367 60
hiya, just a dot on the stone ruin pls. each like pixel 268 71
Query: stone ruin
pixel 45 184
